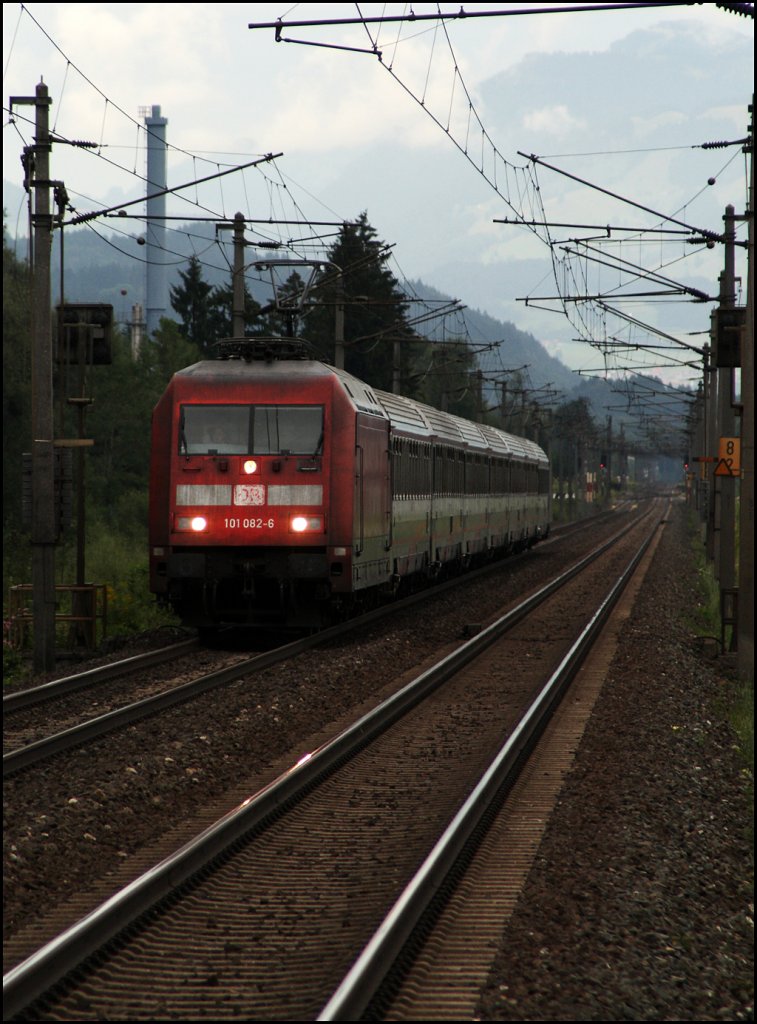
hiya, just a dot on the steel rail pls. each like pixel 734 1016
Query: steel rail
pixel 44 968
pixel 103 673
pixel 68 684
pixel 24 757
pixel 32 753
pixel 364 980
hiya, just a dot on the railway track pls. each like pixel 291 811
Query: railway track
pixel 122 715
pixel 95 677
pixel 82 718
pixel 118 669
pixel 368 834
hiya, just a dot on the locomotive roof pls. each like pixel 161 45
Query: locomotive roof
pixel 234 370
pixel 405 414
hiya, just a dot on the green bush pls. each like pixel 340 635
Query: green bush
pixel 119 559
pixel 705 616
pixel 116 556
pixel 706 623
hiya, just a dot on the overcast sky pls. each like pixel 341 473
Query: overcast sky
pixel 231 93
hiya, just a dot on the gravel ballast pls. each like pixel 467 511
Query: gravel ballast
pixel 640 903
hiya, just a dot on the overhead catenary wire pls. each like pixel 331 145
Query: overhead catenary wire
pixel 278 190
pixel 98 150
pixel 523 200
pixel 522 185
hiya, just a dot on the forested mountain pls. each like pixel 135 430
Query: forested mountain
pixel 482 367
pixel 104 267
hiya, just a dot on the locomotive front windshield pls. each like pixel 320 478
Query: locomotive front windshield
pixel 251 430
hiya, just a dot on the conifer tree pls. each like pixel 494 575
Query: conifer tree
pixel 192 300
pixel 375 310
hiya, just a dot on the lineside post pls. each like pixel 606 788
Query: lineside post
pixel 44 529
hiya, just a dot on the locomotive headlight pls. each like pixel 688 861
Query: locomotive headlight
pixel 250 466
pixel 195 524
pixel 306 524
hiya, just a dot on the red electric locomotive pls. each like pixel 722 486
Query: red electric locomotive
pixel 285 491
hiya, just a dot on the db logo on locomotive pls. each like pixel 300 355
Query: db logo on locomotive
pixel 249 494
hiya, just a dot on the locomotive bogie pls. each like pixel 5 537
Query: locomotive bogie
pixel 290 492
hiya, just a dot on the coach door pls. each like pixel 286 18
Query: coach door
pixel 372 507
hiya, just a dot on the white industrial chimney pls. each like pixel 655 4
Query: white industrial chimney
pixel 157 304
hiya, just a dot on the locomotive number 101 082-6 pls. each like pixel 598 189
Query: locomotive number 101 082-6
pixel 249 524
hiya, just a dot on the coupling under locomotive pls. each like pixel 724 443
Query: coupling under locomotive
pixel 286 491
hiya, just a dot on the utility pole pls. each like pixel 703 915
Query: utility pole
pixel 724 496
pixel 339 320
pixel 700 439
pixel 706 450
pixel 746 554
pixel 237 313
pixel 608 464
pixel 44 532
pixel 237 274
pixel 712 442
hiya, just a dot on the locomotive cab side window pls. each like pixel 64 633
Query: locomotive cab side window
pixel 251 430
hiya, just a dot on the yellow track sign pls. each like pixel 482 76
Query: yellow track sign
pixel 729 457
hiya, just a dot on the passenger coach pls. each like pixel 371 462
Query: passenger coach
pixel 287 491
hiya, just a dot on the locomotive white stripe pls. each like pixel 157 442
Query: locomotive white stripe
pixel 203 494
pixel 220 494
pixel 295 494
